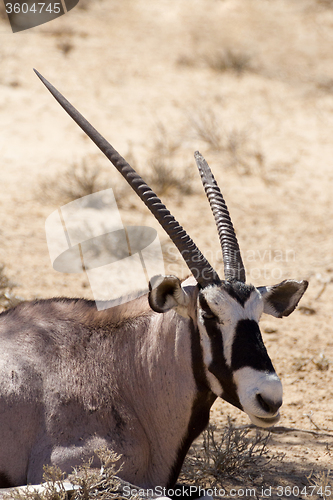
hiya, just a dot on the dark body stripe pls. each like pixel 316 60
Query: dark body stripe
pixel 248 348
pixel 201 405
pixel 5 481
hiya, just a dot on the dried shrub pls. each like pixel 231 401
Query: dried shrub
pixel 52 488
pixel 164 180
pixel 100 484
pixel 321 485
pixel 322 363
pixel 225 59
pixel 229 59
pixel 208 128
pixel 65 46
pixel 241 152
pixel 226 456
pixel 80 179
pixel 162 177
pixel 83 484
pixel 326 3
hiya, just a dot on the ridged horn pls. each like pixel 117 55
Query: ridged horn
pixel 197 263
pixel 233 264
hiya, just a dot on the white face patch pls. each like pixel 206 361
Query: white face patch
pixel 253 386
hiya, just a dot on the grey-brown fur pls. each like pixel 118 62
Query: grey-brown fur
pixel 73 379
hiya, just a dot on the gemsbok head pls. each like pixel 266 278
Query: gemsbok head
pixel 139 378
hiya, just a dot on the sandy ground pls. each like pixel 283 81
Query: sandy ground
pixel 249 84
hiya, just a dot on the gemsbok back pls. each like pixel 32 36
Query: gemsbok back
pixel 139 378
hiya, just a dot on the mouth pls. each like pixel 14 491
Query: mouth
pixel 265 421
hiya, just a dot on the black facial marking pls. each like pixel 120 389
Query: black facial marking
pixel 238 291
pixel 219 367
pixel 205 307
pixel 201 405
pixel 248 348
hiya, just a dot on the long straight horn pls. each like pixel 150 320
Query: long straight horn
pixel 197 263
pixel 233 264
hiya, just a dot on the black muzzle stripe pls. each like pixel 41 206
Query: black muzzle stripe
pixel 248 348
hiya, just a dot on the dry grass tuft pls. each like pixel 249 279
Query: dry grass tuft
pixel 164 177
pixel 90 175
pixel 3 14
pixel 65 46
pixel 231 454
pixel 321 486
pixel 7 298
pixel 208 128
pixel 241 153
pixel 218 55
pixel 237 148
pixel 165 180
pixel 86 482
pixel 326 3
pixel 228 455
pixel 80 179
pixel 229 59
pixel 322 363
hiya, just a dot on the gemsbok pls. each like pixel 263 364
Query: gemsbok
pixel 139 378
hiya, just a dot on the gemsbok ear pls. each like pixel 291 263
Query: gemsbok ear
pixel 165 293
pixel 280 300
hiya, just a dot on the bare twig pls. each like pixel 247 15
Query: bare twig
pixel 281 429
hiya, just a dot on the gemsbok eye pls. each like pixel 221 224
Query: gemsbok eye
pixel 209 316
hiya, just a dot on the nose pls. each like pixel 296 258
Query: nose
pixel 268 404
